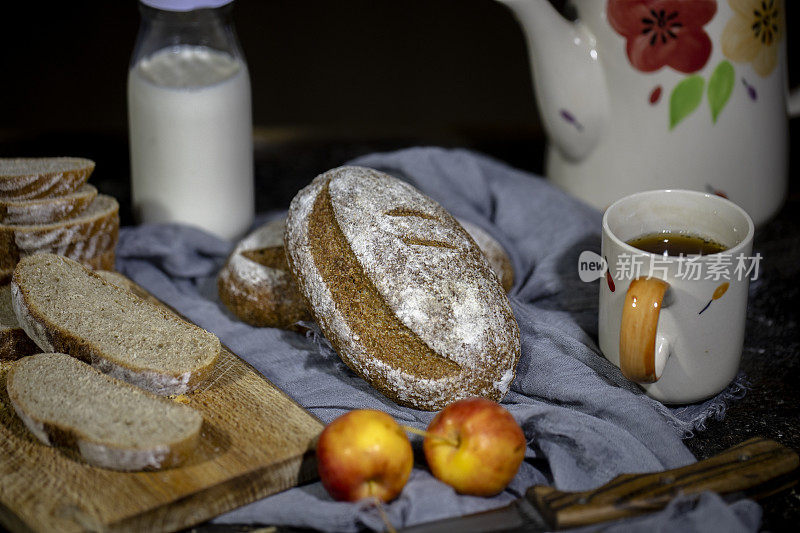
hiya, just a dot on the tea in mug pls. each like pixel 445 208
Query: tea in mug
pixel 676 244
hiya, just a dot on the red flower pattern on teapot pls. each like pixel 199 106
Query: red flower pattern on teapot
pixel 664 32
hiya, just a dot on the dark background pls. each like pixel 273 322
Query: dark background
pixel 332 79
pixel 351 66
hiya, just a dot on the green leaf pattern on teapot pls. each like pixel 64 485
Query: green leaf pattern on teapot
pixel 669 33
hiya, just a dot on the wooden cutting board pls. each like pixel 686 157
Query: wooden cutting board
pixel 255 441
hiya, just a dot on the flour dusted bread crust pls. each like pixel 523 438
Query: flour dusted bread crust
pixel 84 253
pixel 48 209
pixel 37 177
pixel 96 252
pixel 112 424
pixel 65 307
pixel 400 290
pixel 14 343
pixel 256 284
pixel 85 235
pixel 103 260
pixel 494 252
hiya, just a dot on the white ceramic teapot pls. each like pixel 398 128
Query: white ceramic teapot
pixel 646 94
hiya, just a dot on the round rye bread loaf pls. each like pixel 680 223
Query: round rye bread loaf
pixel 400 290
pixel 255 284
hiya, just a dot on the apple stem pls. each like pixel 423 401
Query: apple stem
pixel 389 527
pixel 429 435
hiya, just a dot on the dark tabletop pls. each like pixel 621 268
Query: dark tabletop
pixel 771 357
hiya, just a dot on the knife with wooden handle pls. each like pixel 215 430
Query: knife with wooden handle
pixel 755 468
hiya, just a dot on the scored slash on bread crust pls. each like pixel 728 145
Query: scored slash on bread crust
pixel 26 178
pixel 46 210
pixel 255 283
pixel 65 307
pixel 112 424
pixel 400 290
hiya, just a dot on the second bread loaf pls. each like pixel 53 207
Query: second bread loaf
pixel 255 284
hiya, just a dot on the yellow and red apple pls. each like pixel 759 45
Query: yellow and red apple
pixel 364 454
pixel 475 446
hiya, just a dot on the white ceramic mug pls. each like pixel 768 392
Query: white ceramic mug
pixel 675 324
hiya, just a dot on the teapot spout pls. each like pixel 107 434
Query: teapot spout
pixel 568 80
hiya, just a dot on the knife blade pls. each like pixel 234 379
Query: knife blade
pixel 755 468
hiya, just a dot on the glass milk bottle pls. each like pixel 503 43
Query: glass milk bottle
pixel 190 118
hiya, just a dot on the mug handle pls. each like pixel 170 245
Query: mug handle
pixel 642 353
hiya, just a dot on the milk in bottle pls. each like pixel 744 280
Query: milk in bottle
pixel 190 121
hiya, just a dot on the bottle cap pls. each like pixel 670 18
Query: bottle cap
pixel 184 5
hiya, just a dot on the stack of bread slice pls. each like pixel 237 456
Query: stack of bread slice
pixel 110 356
pixel 110 359
pixel 47 206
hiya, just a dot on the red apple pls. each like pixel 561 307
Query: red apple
pixel 475 446
pixel 364 454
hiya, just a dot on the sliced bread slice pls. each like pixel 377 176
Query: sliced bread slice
pixel 46 210
pixel 37 177
pixel 112 424
pixel 101 261
pixel 14 343
pixel 81 251
pixel 123 281
pixel 65 307
pixel 100 218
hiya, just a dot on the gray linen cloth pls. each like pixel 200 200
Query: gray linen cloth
pixel 584 423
